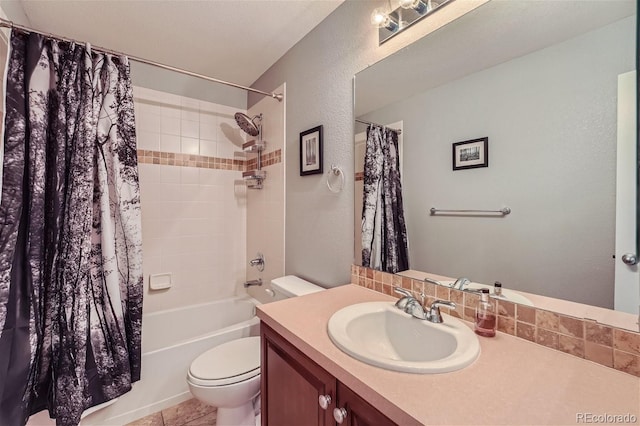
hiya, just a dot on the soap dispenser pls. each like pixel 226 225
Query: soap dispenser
pixel 486 319
pixel 497 288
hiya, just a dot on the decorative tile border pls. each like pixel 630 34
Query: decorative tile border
pixel 605 345
pixel 268 159
pixel 204 162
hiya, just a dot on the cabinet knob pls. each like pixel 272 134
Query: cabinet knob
pixel 324 401
pixel 339 415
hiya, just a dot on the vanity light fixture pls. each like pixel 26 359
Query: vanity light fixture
pixel 391 22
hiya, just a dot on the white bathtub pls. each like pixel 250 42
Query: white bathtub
pixel 171 339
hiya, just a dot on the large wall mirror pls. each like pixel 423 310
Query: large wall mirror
pixel 540 80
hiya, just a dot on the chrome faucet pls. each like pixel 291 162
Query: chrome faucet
pixel 406 298
pixel 411 306
pixel 460 283
pixel 432 281
pixel 258 262
pixel 434 314
pixel 251 283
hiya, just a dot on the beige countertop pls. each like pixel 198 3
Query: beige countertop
pixel 513 381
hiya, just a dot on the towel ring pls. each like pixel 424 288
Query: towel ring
pixel 335 171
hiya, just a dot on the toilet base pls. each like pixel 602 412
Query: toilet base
pixel 245 415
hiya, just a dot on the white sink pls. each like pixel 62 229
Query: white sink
pixel 380 334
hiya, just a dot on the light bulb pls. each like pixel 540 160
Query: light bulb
pixel 417 5
pixel 381 19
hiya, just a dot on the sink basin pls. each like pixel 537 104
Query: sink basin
pixel 380 334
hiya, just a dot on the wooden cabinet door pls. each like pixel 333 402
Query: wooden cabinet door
pixel 358 411
pixel 291 385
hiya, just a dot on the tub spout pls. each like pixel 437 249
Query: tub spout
pixel 253 282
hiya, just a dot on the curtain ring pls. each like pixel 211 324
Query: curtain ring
pixel 336 171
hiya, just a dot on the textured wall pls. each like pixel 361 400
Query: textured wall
pixel 319 74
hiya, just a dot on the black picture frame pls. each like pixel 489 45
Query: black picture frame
pixel 471 154
pixel 311 151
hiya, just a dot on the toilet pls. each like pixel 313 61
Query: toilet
pixel 228 376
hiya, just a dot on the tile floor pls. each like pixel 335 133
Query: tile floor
pixel 188 413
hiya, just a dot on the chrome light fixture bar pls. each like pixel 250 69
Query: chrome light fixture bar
pixel 408 13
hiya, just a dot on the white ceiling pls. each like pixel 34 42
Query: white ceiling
pixel 233 40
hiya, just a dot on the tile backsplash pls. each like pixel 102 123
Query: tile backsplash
pixel 605 345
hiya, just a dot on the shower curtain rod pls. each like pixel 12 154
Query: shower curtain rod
pixel 9 24
pixel 376 124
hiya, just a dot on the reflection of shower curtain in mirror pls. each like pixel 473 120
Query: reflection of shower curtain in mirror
pixel 384 235
pixel 70 240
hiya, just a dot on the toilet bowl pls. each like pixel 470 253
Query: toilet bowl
pixel 228 376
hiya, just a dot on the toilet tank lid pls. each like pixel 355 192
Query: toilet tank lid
pixel 291 285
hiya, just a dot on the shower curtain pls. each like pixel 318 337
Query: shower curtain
pixel 384 235
pixel 70 242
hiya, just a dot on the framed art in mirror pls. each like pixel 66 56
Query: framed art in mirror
pixel 311 151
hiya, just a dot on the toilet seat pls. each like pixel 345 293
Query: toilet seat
pixel 231 362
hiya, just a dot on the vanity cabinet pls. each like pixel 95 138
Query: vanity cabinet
pixel 292 386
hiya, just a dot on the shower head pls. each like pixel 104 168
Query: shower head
pixel 250 126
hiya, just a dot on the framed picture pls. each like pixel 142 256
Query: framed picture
pixel 311 151
pixel 471 154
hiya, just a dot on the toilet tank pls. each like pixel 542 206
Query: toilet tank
pixel 292 286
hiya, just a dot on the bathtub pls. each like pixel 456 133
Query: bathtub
pixel 171 339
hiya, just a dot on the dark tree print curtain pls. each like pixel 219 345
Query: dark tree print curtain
pixel 384 234
pixel 70 243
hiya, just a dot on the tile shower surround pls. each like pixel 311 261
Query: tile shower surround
pixel 605 345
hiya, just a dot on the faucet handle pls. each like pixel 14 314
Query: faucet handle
pixel 434 310
pixel 460 283
pixel 402 291
pixel 407 297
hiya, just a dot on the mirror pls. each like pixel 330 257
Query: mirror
pixel 544 93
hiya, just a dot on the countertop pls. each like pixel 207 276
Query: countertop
pixel 513 381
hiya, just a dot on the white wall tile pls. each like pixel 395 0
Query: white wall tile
pixel 170 143
pixel 148 122
pixel 170 125
pixel 208 148
pixel 209 117
pixel 148 140
pixel 190 129
pixel 189 175
pixel 191 114
pixel 226 150
pixel 190 146
pixel 170 174
pixel 191 193
pixel 209 131
pixel 148 173
pixel 189 103
pixel 171 192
